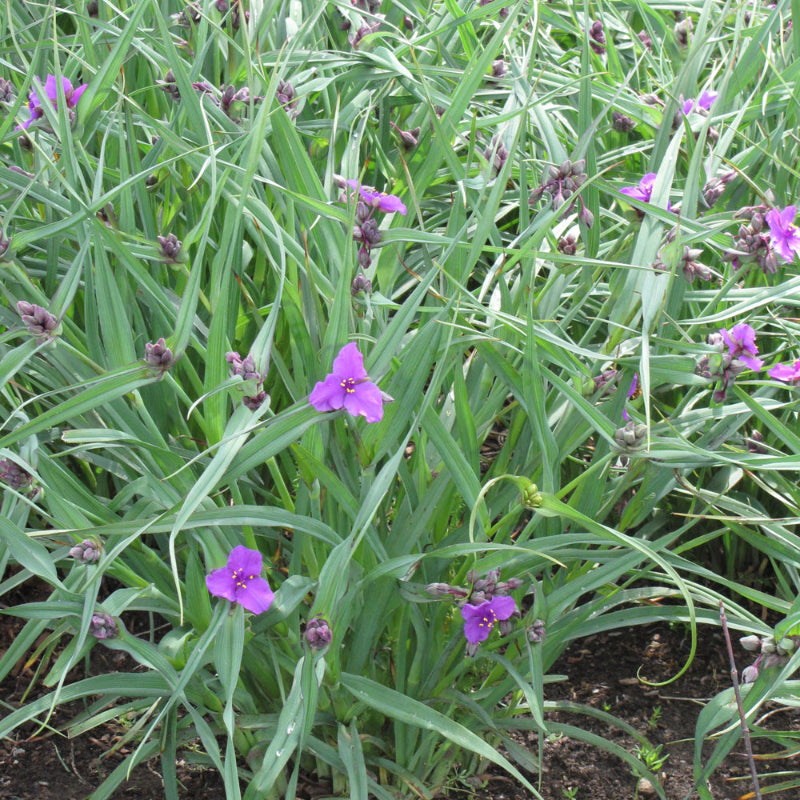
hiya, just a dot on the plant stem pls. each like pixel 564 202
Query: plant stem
pixel 735 679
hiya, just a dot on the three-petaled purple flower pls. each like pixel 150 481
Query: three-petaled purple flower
pixel 741 341
pixel 705 101
pixel 787 373
pixel 783 234
pixel 71 96
pixel 479 620
pixel 643 191
pixel 349 387
pixel 388 203
pixel 240 581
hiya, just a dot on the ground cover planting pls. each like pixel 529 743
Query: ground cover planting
pixel 358 358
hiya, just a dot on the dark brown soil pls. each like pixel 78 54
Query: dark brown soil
pixel 600 671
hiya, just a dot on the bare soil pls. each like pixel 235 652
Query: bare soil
pixel 601 671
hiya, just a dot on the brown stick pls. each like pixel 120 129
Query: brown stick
pixel 735 679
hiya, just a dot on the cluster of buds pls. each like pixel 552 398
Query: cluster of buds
pixel 631 437
pixel 562 183
pixel 496 154
pixel 499 70
pixel 536 631
pixel 597 37
pixel 87 552
pixel 622 123
pixel 687 261
pixel 644 38
pixel 318 634
pixel 367 6
pixel 770 653
pixel 683 32
pixel 480 590
pixel 408 139
pixel 6 92
pixel 192 14
pixel 170 248
pixel 364 29
pixel 246 369
pixel 605 383
pixel 228 96
pixel 752 244
pixel 169 85
pixel 568 244
pixel 158 355
pixel 360 284
pixel 287 97
pixel 5 245
pixel 742 354
pixel 103 626
pixel 18 478
pixel 714 187
pixel 39 321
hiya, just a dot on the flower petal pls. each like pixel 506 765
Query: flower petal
pixel 221 583
pixel 754 364
pixel 76 95
pixel 328 395
pixel 51 88
pixel 349 364
pixel 367 400
pixel 503 606
pixel 784 372
pixel 245 559
pixel 475 627
pixel 256 596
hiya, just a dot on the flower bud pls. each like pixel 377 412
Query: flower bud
pixel 158 355
pixel 751 643
pixel 749 674
pixel 621 122
pixel 254 402
pixel 632 436
pixel 318 634
pixel 87 552
pixel 15 476
pixel 438 589
pixel 170 248
pixel 103 626
pixel 39 321
pixel 536 632
pixel 530 496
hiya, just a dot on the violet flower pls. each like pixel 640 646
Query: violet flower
pixel 784 235
pixel 633 392
pixel 741 341
pixel 349 387
pixel 643 191
pixel 787 373
pixel 71 95
pixel 388 203
pixel 479 620
pixel 240 581
pixel 705 101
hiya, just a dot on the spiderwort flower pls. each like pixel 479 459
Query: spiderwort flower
pixel 479 620
pixel 71 95
pixel 784 235
pixel 704 102
pixel 643 191
pixel 388 203
pixel 787 373
pixel 348 386
pixel 240 581
pixel 741 341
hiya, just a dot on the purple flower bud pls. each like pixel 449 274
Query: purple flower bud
pixel 15 476
pixel 568 245
pixel 318 634
pixel 499 69
pixel 751 643
pixel 622 123
pixel 255 401
pixel 408 23
pixel 631 437
pixel 5 244
pixel 749 674
pixel 158 355
pixel 6 91
pixel 170 248
pixel 360 284
pixel 39 321
pixel 586 216
pixel 364 260
pixel 87 552
pixel 103 626
pixel 93 8
pixel 409 139
pixel 169 84
pixel 683 32
pixel 536 632
pixel 755 444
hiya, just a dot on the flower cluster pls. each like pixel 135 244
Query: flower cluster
pixel 562 184
pixel 368 201
pixel 597 37
pixel 742 354
pixel 483 604
pixel 240 581
pixel 103 626
pixel 755 243
pixel 38 320
pixel 87 552
pixel 770 653
pixel 349 387
pixel 246 369
pixel 686 261
pixel 644 191
pixel 702 104
pixel 18 478
pixel 158 355
pixel 51 95
pixel 228 96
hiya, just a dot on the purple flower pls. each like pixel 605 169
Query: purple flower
pixel 632 392
pixel 240 581
pixel 479 620
pixel 784 235
pixel 705 101
pixel 388 203
pixel 643 191
pixel 786 373
pixel 51 91
pixel 349 387
pixel 103 626
pixel 741 341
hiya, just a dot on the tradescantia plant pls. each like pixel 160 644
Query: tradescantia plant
pixel 307 578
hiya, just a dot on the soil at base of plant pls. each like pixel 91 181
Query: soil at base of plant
pixel 600 671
